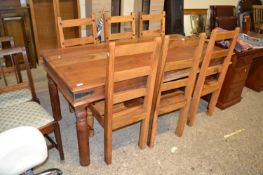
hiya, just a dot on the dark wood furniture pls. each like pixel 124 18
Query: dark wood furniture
pixel 235 80
pixel 15 21
pixel 174 21
pixel 255 76
pixel 19 103
pixel 117 110
pixel 44 15
pixel 223 17
pixel 65 67
pixel 245 70
pixel 213 71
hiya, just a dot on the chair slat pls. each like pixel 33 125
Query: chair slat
pixel 133 49
pixel 124 35
pixel 120 19
pixel 151 33
pixel 78 22
pixel 224 35
pixel 78 41
pixel 214 70
pixel 132 73
pixel 176 65
pixel 219 53
pixel 152 17
pixel 128 95
pixel 174 84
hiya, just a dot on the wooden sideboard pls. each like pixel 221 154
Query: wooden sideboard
pixel 235 79
pixel 255 76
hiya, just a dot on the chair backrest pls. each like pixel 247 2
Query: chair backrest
pixel 216 61
pixel 258 15
pixel 12 75
pixel 108 20
pixel 146 57
pixel 92 38
pixel 7 39
pixel 154 18
pixel 180 73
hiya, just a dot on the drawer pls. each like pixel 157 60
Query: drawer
pixel 239 74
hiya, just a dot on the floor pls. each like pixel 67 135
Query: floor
pixel 229 143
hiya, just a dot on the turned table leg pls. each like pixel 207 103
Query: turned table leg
pixel 83 135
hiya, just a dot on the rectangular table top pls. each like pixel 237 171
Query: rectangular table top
pixel 80 72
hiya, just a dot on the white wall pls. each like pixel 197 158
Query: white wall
pixel 203 4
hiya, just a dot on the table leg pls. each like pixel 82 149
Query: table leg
pixel 83 135
pixel 54 98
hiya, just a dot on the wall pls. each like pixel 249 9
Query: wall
pixel 201 4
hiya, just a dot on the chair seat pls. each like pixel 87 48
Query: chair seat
pixel 24 114
pixel 132 109
pixel 172 101
pixel 15 97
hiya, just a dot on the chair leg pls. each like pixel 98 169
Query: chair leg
pixel 108 144
pixel 143 132
pixel 212 103
pixel 153 130
pixel 181 121
pixel 90 120
pixel 193 111
pixel 58 140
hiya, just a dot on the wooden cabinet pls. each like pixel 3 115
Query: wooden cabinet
pixel 15 21
pixel 255 75
pixel 235 80
pixel 44 19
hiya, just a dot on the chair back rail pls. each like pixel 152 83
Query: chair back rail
pixel 258 17
pixel 213 70
pixel 108 20
pixel 77 23
pixel 175 93
pixel 152 17
pixel 6 71
pixel 9 39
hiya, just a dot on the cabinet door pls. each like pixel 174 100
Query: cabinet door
pixel 174 20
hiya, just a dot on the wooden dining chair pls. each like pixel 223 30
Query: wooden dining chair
pixel 19 105
pixel 213 70
pixel 129 30
pixel 91 39
pixel 176 80
pixel 127 64
pixel 152 18
pixel 9 40
pixel 258 17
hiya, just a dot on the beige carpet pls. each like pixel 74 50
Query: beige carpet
pixel 202 150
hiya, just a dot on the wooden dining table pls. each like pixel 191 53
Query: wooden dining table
pixel 79 73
